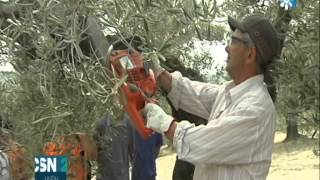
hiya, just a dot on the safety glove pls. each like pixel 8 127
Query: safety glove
pixel 157 119
pixel 155 64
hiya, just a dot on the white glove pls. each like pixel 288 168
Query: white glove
pixel 156 67
pixel 157 119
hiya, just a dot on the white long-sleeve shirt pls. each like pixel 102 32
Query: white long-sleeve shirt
pixel 4 166
pixel 236 144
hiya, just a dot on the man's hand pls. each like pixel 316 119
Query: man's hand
pixel 157 119
pixel 164 78
pixel 156 67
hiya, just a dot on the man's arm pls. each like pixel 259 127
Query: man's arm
pixel 191 96
pixel 184 93
pixel 231 139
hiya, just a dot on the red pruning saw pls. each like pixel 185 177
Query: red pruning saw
pixel 140 86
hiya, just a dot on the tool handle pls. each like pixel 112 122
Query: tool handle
pixel 138 121
pixel 135 103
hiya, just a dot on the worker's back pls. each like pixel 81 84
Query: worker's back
pixel 112 141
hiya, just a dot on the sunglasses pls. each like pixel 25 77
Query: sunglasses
pixel 235 39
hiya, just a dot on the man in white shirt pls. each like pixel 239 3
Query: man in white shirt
pixel 236 144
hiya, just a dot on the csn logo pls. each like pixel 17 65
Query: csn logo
pixel 51 167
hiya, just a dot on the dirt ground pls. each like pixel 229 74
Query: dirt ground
pixel 290 161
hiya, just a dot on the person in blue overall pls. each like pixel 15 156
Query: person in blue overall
pixel 113 149
pixel 120 143
pixel 144 154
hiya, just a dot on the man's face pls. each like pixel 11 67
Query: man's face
pixel 237 50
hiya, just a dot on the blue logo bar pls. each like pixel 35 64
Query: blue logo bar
pixel 51 167
pixel 286 4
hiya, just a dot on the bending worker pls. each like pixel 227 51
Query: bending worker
pixel 236 143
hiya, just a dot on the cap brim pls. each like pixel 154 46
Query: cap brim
pixel 234 24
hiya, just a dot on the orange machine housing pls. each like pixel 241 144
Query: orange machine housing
pixel 139 88
pixel 79 148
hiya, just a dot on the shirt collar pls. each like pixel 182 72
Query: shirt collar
pixel 235 90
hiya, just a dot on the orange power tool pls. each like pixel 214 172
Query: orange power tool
pixel 139 88
pixel 140 85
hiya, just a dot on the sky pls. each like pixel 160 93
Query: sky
pixel 6 67
pixel 216 51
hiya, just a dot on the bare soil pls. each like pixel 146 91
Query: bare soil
pixel 290 161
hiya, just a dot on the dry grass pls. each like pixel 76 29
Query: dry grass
pixel 290 161
pixel 294 160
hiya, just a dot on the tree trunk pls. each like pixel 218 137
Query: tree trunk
pixel 282 25
pixel 292 127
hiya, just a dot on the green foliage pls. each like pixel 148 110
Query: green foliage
pixel 200 56
pixel 58 88
pixel 8 87
pixel 165 25
pixel 298 83
pixel 243 8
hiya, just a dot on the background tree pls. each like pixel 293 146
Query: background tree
pixel 298 84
